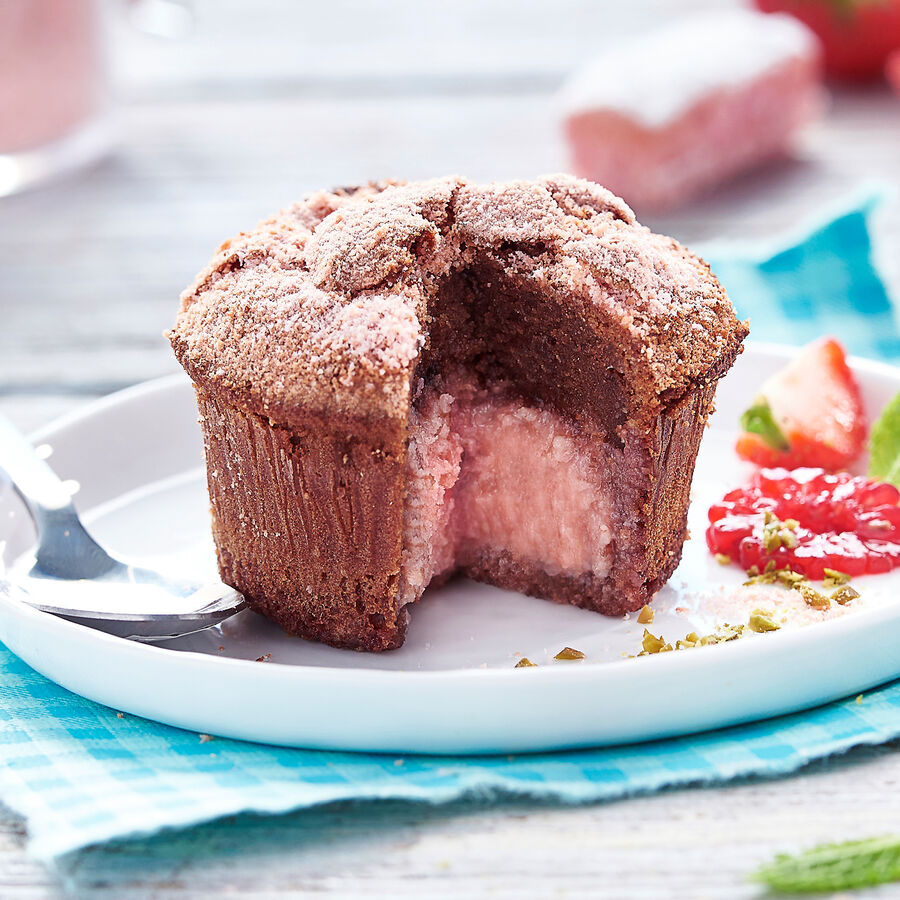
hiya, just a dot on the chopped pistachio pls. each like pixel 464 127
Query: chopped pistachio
pixel 839 577
pixel 723 559
pixel 834 578
pixel 778 534
pixel 811 596
pixel 728 632
pixel 761 621
pixel 653 644
pixel 645 616
pixel 771 538
pixel 845 594
pixel 721 635
pixel 765 578
pixel 569 653
pixel 788 539
pixel 769 574
pixel 786 576
pixel 524 662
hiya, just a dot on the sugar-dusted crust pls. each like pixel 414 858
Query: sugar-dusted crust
pixel 311 338
pixel 324 308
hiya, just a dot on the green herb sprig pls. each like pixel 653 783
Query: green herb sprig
pixel 834 867
pixel 884 444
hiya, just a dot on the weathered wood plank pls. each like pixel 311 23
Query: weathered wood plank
pixel 392 46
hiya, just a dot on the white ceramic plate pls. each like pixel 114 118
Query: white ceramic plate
pixel 453 687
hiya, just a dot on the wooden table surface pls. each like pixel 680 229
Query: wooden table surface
pixel 256 104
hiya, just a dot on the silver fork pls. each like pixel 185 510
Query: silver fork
pixel 70 570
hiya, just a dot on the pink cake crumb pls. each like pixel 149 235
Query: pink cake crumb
pixel 433 467
pixel 669 115
pixel 487 472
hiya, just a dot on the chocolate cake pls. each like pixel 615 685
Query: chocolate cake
pixel 400 382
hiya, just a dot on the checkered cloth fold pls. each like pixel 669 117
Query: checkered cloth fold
pixel 822 281
pixel 80 774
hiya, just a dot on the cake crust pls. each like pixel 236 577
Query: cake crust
pixel 312 338
pixel 324 307
pixel 306 521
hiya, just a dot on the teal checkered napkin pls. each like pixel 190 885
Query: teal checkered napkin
pixel 822 282
pixel 80 774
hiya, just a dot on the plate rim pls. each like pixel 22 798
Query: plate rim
pixel 782 642
pixel 862 620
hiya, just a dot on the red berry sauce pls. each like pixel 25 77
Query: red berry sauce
pixel 845 522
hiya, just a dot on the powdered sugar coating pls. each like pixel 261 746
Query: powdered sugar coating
pixel 323 309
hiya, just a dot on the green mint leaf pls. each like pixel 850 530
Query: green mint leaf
pixel 834 867
pixel 884 444
pixel 759 420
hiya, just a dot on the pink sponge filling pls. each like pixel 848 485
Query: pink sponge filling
pixel 489 474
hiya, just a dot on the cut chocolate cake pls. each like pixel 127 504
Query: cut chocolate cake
pixel 400 382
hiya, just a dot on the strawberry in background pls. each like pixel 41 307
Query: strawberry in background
pixel 893 70
pixel 857 36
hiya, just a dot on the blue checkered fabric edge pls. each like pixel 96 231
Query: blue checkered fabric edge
pixel 81 775
pixel 822 281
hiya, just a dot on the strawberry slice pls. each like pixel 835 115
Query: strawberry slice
pixel 808 414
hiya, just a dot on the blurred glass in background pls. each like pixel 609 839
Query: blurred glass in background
pixel 54 81
pixel 53 88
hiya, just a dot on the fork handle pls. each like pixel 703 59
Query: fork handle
pixel 37 483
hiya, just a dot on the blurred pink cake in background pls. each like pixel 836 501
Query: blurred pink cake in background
pixel 664 116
